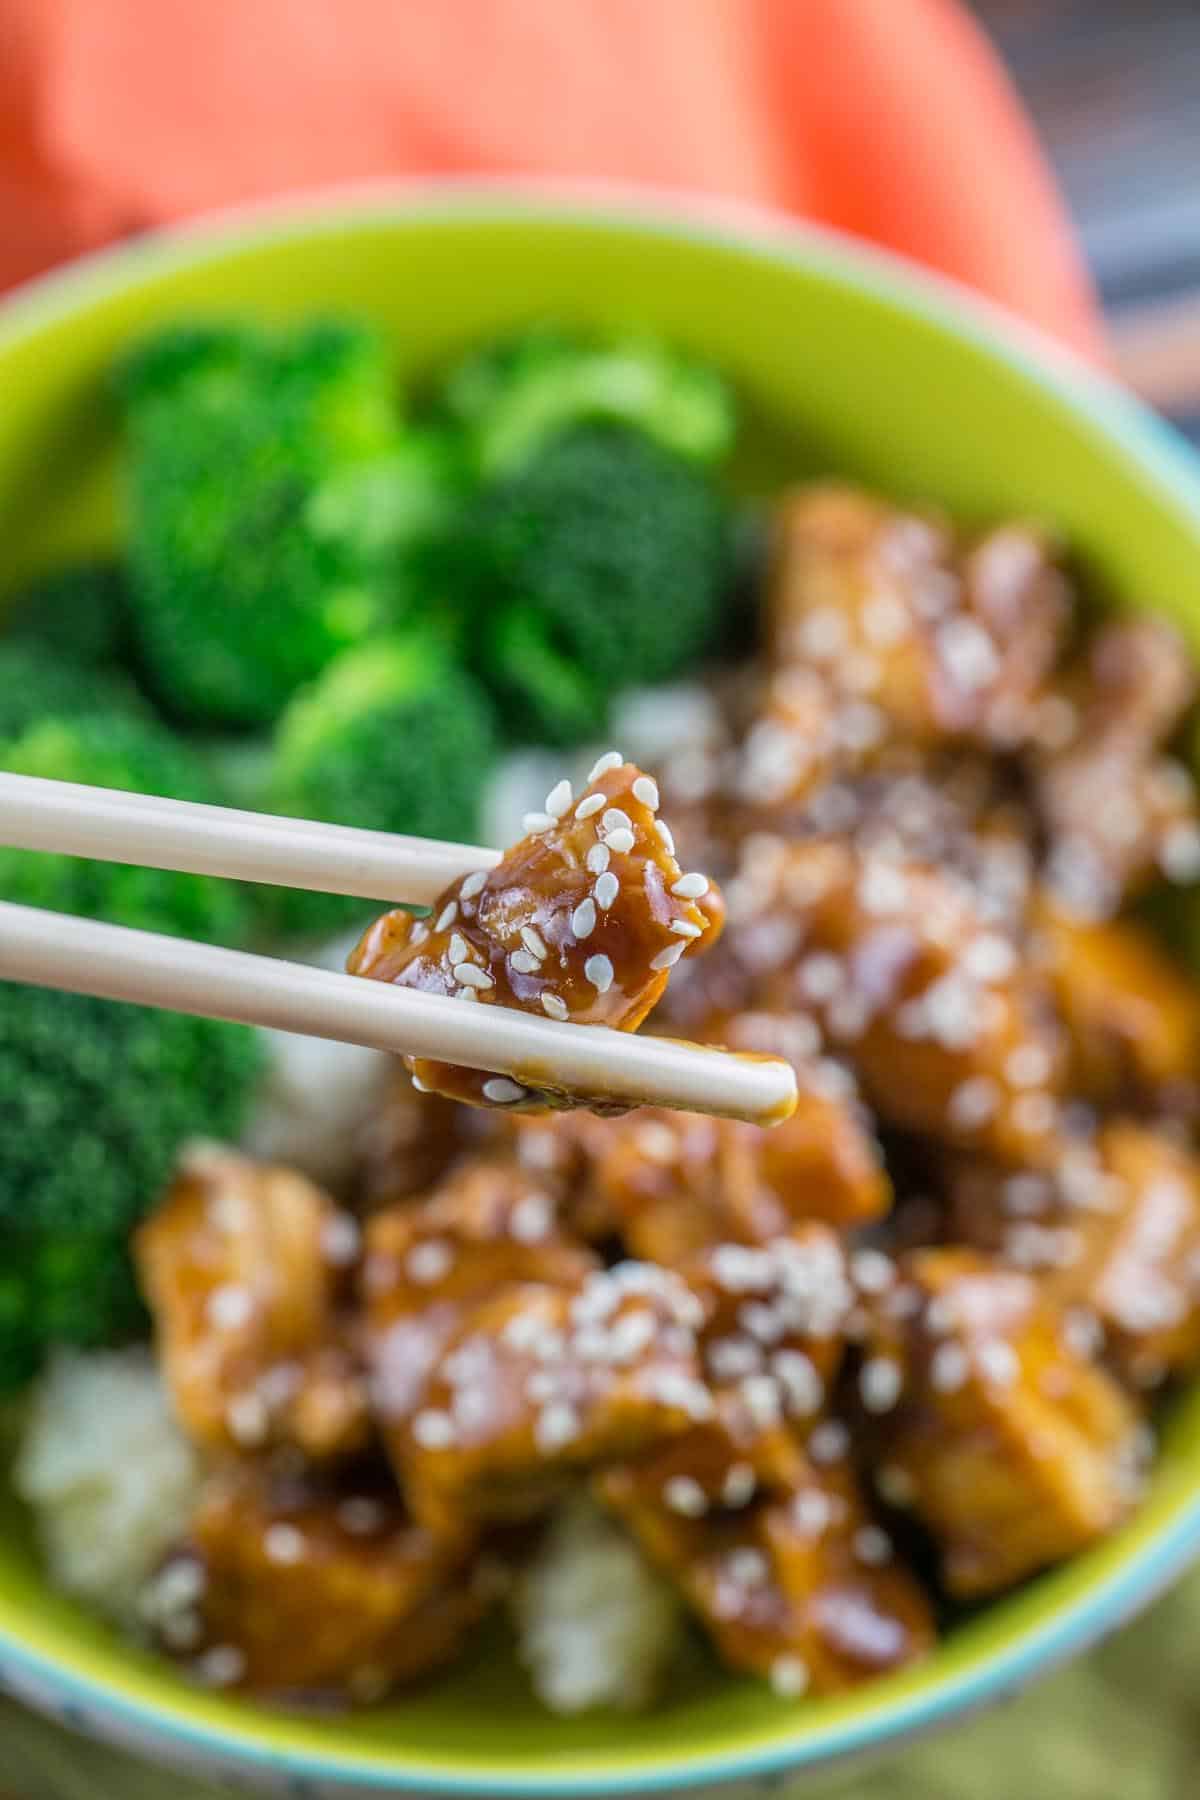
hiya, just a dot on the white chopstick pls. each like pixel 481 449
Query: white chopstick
pixel 81 956
pixel 155 833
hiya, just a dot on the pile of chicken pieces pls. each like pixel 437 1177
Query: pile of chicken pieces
pixel 915 1327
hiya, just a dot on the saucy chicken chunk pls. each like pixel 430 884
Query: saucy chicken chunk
pixel 1014 1449
pixel 779 1560
pixel 1116 809
pixel 540 1383
pixel 246 1269
pixel 580 921
pixel 288 1587
pixel 1112 1234
pixel 919 635
pixel 490 1226
pixel 1132 1018
pixel 949 1027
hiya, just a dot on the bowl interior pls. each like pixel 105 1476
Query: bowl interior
pixel 848 366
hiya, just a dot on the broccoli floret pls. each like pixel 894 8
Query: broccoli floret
pixel 512 396
pixel 98 1098
pixel 270 496
pixel 394 737
pixel 35 685
pixel 80 611
pixel 119 750
pixel 602 565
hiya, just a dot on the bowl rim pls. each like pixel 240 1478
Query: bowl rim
pixel 1155 452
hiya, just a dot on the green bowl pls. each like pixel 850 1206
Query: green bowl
pixel 851 364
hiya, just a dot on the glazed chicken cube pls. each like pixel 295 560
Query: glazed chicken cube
pixel 678 1183
pixel 1112 1234
pixel 1132 1017
pixel 540 1383
pixel 778 1560
pixel 774 1322
pixel 1115 809
pixel 581 921
pixel 245 1268
pixel 949 1028
pixel 920 637
pixel 1012 1448
pixel 287 1588
pixel 489 1226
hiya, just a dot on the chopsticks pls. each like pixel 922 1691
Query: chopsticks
pixel 110 826
pixel 112 962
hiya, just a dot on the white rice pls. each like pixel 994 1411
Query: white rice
pixel 109 1475
pixel 596 1626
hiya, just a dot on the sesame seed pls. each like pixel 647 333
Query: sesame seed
pixel 612 759
pixel 989 958
pixel 559 799
pixel 797 1374
pixel 973 1103
pixel 533 942
pixel 221 1666
pixel 472 976
pixel 882 888
pixel 760 1396
pixel 740 1484
pixel 823 634
pixel 598 858
pixel 523 962
pixel 998 1362
pixel 895 1484
pixel 885 621
pixel 341 1239
pixel 1028 1065
pixel 433 1430
pixel 531 1219
pixel 248 1420
pixel 599 971
pixel 645 789
pixel 615 820
pixel 812 1511
pixel 821 976
pixel 283 1544
pixel 459 950
pixel 473 884
pixel 229 1307
pixel 747 1567
pixel 664 832
pixel 872 1546
pixel 503 1092
pixel 666 959
pixel 880 1381
pixel 690 887
pixel 556 1426
pixel 789 1677
pixel 828 1442
pixel 969 655
pixel 1179 854
pixel 554 1006
pixel 872 1271
pixel 590 806
pixel 685 929
pixel 429 1263
pixel 620 841
pixel 682 1494
pixel 447 916
pixel 537 821
pixel 583 919
pixel 360 1515
pixel 948 1368
pixel 732 1357
pixel 607 889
